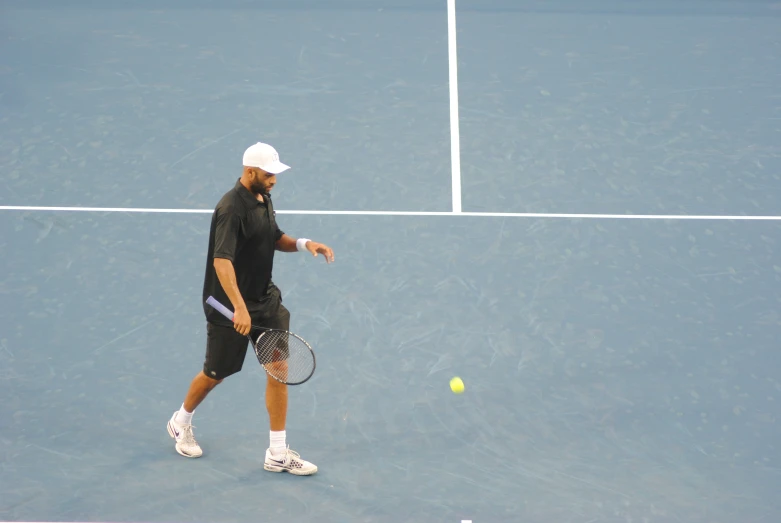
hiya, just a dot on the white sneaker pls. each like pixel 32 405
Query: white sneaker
pixel 290 461
pixel 185 440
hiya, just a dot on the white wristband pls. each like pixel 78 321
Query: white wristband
pixel 301 244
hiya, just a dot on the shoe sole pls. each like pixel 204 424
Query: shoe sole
pixel 181 452
pixel 295 472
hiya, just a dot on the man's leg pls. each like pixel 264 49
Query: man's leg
pixel 276 404
pixel 225 353
pixel 278 457
pixel 200 387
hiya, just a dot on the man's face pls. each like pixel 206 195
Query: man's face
pixel 262 182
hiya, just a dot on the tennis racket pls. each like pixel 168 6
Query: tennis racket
pixel 285 356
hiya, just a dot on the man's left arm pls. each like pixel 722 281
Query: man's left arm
pixel 287 243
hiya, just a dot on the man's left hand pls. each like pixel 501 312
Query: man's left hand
pixel 319 248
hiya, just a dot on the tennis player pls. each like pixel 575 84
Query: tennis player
pixel 242 240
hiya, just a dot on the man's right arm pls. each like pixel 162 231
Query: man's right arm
pixel 227 227
pixel 227 276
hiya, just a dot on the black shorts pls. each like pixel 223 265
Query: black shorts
pixel 226 349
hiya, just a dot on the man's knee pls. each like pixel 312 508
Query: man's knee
pixel 211 382
pixel 275 383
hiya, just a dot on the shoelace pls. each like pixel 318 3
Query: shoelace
pixel 189 437
pixel 295 457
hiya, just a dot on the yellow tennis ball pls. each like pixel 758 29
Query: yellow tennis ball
pixel 456 385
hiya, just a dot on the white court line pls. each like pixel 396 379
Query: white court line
pixel 455 145
pixel 410 213
pixel 103 209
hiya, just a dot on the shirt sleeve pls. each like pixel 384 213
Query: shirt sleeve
pixel 278 233
pixel 226 234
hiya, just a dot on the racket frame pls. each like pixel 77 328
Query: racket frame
pixel 222 309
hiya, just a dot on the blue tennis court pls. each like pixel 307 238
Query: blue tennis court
pixel 617 369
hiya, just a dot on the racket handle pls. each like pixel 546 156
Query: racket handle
pixel 220 307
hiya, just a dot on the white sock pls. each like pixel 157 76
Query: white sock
pixel 183 417
pixel 277 442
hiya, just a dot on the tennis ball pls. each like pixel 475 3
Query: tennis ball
pixel 456 385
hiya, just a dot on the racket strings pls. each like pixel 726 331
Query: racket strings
pixel 284 356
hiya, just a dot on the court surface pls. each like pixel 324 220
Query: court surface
pixel 616 370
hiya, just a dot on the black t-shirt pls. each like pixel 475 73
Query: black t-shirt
pixel 243 230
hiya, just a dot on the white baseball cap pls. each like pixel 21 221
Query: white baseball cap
pixel 263 156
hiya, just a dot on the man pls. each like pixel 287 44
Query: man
pixel 242 240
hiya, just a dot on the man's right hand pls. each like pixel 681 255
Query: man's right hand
pixel 242 321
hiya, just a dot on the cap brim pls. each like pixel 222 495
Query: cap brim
pixel 275 168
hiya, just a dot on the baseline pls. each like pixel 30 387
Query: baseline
pixel 411 213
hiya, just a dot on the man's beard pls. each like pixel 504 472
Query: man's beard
pixel 259 188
